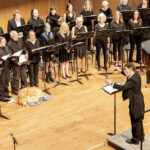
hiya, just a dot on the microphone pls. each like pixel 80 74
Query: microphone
pixel 13 137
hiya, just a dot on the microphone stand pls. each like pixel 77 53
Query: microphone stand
pixel 14 140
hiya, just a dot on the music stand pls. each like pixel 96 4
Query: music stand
pixel 137 31
pixel 38 29
pixel 105 33
pixel 6 36
pixel 111 91
pixel 14 140
pixel 57 49
pixel 85 36
pixel 42 50
pixel 74 47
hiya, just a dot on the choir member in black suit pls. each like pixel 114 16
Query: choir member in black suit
pixel 53 18
pixel 105 9
pixel 35 20
pixel 81 50
pixel 19 70
pixel 5 74
pixel 145 17
pixel 47 38
pixel 15 22
pixel 123 5
pixel 33 43
pixel 64 36
pixel 135 22
pixel 1 30
pixel 132 91
pixel 101 42
pixel 117 24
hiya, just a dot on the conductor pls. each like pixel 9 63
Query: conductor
pixel 132 91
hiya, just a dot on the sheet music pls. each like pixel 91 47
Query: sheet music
pixel 22 59
pixel 6 57
pixel 109 89
pixel 17 54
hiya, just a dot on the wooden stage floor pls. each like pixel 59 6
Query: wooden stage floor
pixel 77 118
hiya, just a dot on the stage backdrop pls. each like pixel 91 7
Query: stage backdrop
pixel 8 6
pixel 78 4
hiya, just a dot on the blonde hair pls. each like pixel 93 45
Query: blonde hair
pixel 78 19
pixel 120 16
pixel 31 32
pixel 61 30
pixel 88 2
pixel 15 12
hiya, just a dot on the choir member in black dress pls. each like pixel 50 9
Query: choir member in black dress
pixel 123 5
pixel 117 24
pixel 145 17
pixel 64 36
pixel 101 42
pixel 47 38
pixel 5 74
pixel 70 15
pixel 35 20
pixel 87 11
pixel 1 30
pixel 19 70
pixel 135 22
pixel 132 91
pixel 53 18
pixel 105 9
pixel 81 50
pixel 32 43
pixel 15 22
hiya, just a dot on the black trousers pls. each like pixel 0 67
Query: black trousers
pixel 135 40
pixel 148 76
pixel 2 84
pixel 117 46
pixel 19 72
pixel 7 80
pixel 99 46
pixel 137 127
pixel 33 73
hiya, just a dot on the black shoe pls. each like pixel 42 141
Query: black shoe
pixel 50 77
pixel 68 76
pixel 23 87
pixel 5 100
pixel 8 96
pixel 132 141
pixel 47 78
pixel 37 85
pixel 15 92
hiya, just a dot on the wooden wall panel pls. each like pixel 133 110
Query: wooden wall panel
pixel 78 4
pixel 8 6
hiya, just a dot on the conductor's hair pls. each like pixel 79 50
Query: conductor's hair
pixel 1 38
pixel 130 66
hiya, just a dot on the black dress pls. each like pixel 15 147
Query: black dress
pixel 81 50
pixel 117 41
pixel 35 22
pixel 135 39
pixel 87 22
pixel 145 17
pixel 101 43
pixel 63 54
pixel 35 59
pixel 47 40
pixel 70 19
pixel 121 7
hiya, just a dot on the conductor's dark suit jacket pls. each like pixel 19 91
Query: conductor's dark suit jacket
pixel 12 24
pixel 132 91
